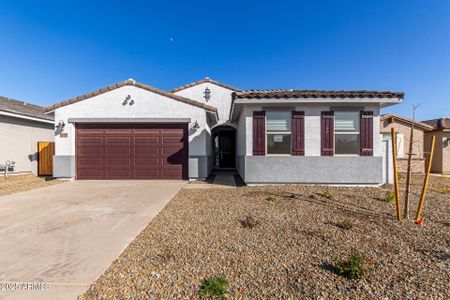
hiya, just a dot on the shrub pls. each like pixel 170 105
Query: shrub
pixel 249 222
pixel 328 194
pixel 271 198
pixel 346 224
pixel 389 197
pixel 216 286
pixel 353 267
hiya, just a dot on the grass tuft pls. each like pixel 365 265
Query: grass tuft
pixel 346 224
pixel 353 267
pixel 214 287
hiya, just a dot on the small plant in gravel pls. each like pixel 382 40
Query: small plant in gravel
pixel 328 194
pixel 346 224
pixel 214 287
pixel 249 222
pixel 353 267
pixel 389 197
pixel 399 177
pixel 271 198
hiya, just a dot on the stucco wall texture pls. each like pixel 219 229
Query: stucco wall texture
pixel 441 157
pixel 418 159
pixel 18 142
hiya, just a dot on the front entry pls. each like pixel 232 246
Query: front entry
pixel 224 148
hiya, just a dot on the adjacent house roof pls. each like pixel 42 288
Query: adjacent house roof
pixel 258 94
pixel 132 83
pixel 437 124
pixel 20 108
pixel 207 79
pixel 417 124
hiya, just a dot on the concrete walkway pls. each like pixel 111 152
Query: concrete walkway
pixel 68 234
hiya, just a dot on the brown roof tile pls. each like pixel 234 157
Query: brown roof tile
pixel 207 79
pixel 23 108
pixel 442 123
pixel 132 83
pixel 418 124
pixel 258 94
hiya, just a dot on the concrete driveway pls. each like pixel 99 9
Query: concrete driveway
pixel 68 234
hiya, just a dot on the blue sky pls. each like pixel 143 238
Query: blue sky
pixel 53 50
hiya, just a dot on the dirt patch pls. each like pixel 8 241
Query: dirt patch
pixel 292 252
pixel 19 183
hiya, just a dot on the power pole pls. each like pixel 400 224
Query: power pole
pixel 408 172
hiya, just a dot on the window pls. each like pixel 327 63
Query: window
pixel 278 132
pixel 346 132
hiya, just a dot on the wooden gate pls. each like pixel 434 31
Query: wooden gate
pixel 46 150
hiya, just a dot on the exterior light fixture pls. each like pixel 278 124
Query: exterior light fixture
pixel 195 125
pixel 207 94
pixel 131 102
pixel 61 124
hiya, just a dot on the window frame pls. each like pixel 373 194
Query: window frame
pixel 278 132
pixel 347 132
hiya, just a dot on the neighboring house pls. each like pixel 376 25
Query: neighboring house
pixel 130 130
pixel 402 127
pixel 441 157
pixel 22 125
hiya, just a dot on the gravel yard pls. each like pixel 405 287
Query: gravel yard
pixel 292 252
pixel 20 183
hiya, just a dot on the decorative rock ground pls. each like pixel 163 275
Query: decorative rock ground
pixel 291 252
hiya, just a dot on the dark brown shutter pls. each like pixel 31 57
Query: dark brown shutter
pixel 366 133
pixel 259 133
pixel 327 133
pixel 298 133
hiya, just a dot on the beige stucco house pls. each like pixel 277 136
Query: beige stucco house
pixel 402 127
pixel 22 125
pixel 441 158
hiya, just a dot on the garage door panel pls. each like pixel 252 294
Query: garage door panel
pixel 118 140
pixel 118 151
pixel 90 161
pixel 126 162
pixel 92 173
pixel 90 151
pixel 146 140
pixel 88 139
pixel 147 151
pixel 152 162
pixel 125 151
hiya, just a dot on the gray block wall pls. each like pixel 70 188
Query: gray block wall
pixel 313 169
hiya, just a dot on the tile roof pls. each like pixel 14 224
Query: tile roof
pixel 22 108
pixel 132 83
pixel 406 120
pixel 442 123
pixel 207 79
pixel 258 94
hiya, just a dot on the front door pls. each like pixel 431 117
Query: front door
pixel 227 149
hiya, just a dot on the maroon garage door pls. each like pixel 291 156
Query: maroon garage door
pixel 132 151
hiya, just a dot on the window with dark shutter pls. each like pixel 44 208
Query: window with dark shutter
pixel 259 133
pixel 327 133
pixel 298 133
pixel 366 133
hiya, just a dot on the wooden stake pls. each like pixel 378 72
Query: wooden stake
pixel 408 173
pixel 394 158
pixel 425 181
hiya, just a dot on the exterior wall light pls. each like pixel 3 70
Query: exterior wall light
pixel 61 124
pixel 195 125
pixel 207 94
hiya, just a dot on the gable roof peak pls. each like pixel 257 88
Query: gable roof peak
pixel 204 80
pixel 133 83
